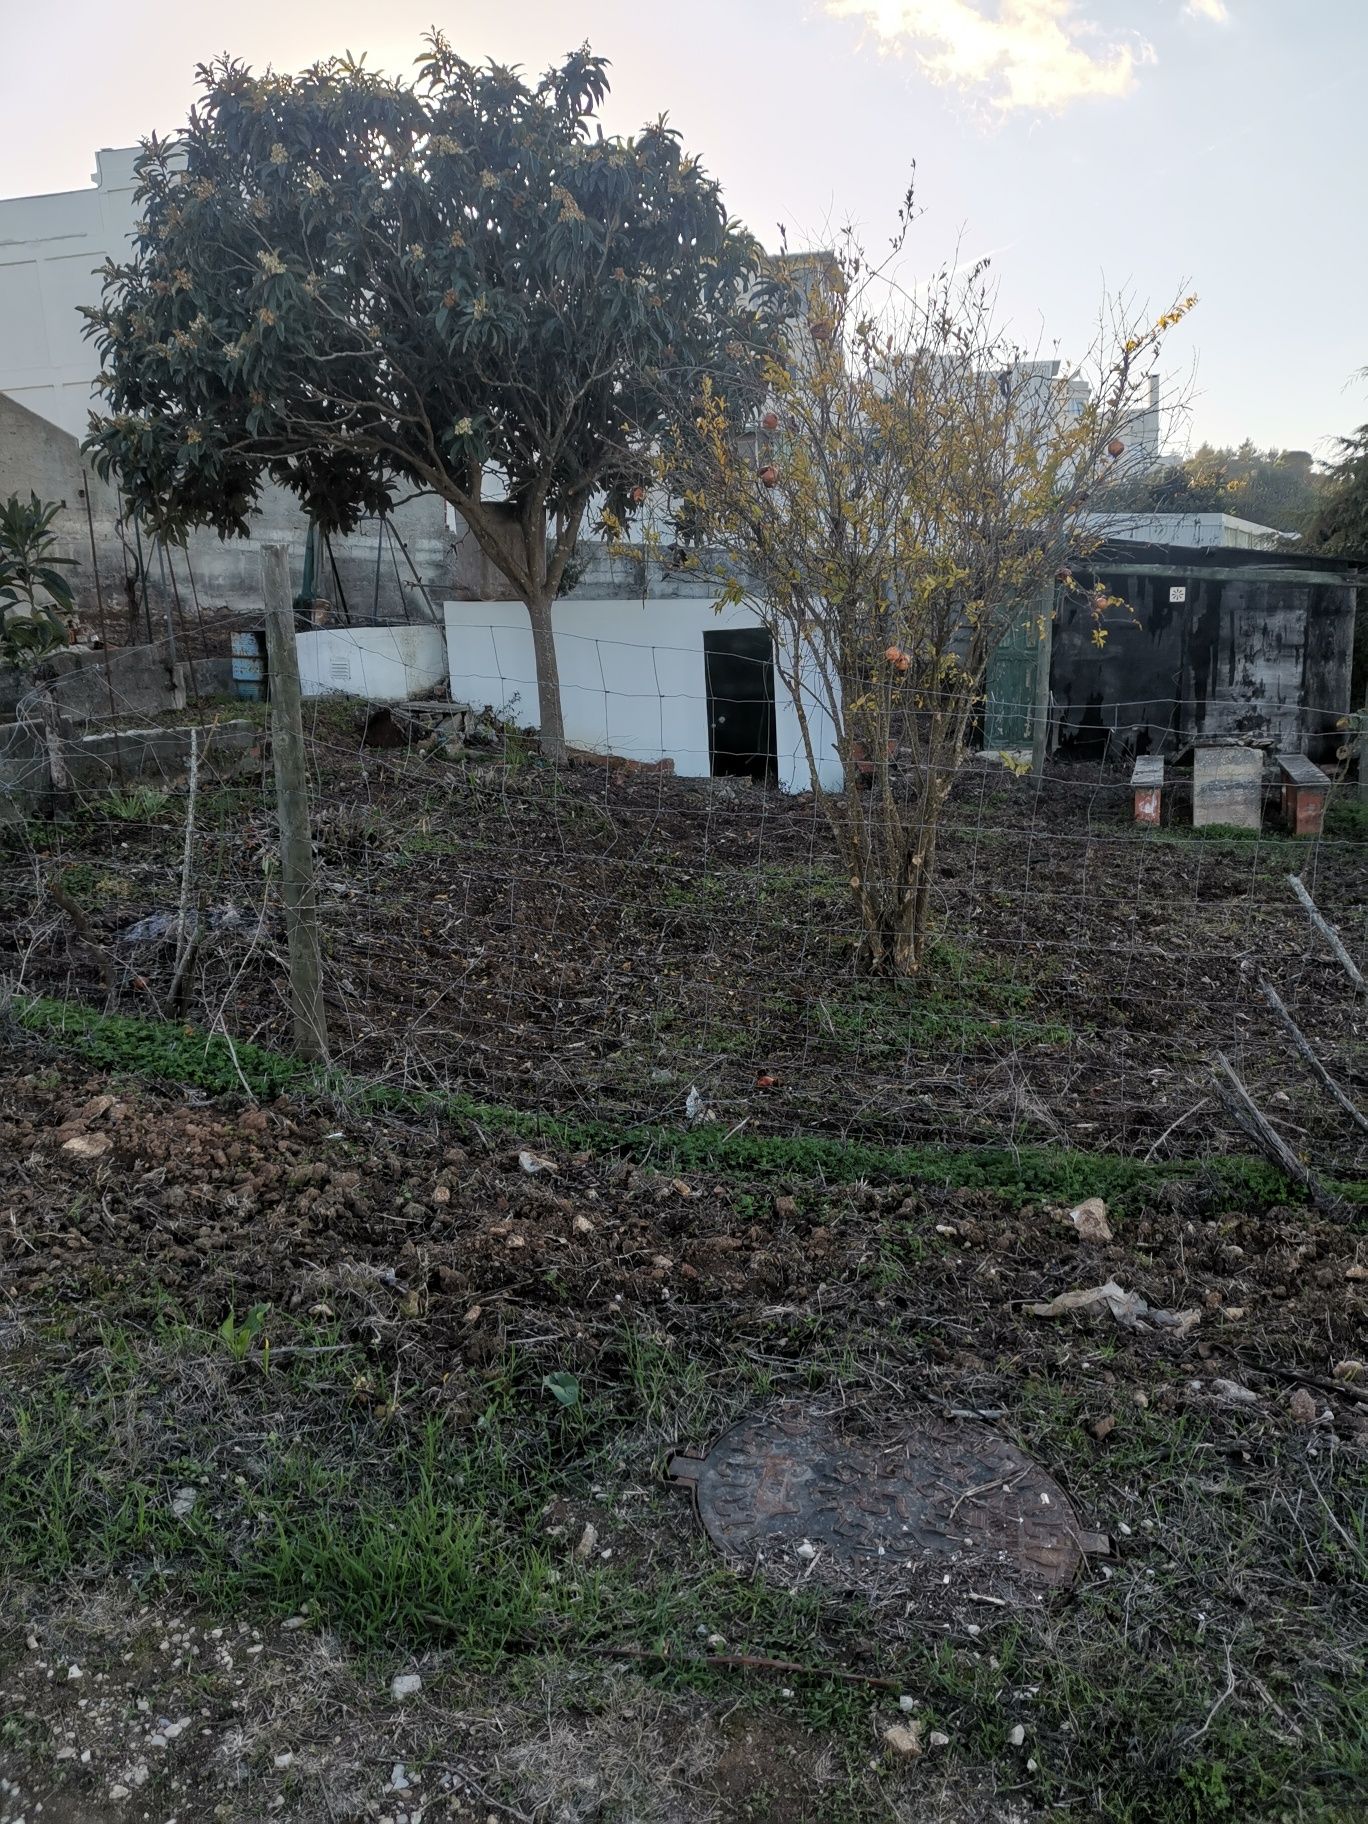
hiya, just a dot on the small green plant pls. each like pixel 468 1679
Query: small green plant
pixel 239 1334
pixel 1346 819
pixel 138 804
pixel 35 598
pixel 563 1388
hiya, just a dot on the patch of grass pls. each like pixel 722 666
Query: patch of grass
pixel 391 1529
pixel 962 997
pixel 779 888
pixel 138 804
pixel 426 841
pixel 1215 1676
pixel 886 1019
pixel 1346 819
pixel 182 1054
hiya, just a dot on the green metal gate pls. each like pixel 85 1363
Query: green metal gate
pixel 1010 685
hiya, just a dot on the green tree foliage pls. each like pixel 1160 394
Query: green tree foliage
pixel 1341 525
pixel 1279 488
pixel 358 286
pixel 1341 528
pixel 35 598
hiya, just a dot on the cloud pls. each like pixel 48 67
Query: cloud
pixel 1033 54
pixel 1215 10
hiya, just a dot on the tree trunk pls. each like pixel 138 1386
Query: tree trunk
pixel 896 920
pixel 550 719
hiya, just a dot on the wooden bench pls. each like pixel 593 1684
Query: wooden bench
pixel 1303 794
pixel 1147 783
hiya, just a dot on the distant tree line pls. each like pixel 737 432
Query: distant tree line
pixel 1280 488
pixel 1323 505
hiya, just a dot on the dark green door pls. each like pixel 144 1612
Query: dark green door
pixel 1008 710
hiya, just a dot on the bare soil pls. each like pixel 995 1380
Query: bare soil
pixel 601 941
pixel 446 1277
pixel 278 1410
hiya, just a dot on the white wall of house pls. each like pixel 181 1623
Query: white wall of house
pixel 633 681
pixel 383 664
pixel 50 250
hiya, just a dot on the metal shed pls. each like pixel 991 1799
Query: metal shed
pixel 1255 646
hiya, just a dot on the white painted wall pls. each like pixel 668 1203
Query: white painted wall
pixel 384 664
pixel 632 679
pixel 50 249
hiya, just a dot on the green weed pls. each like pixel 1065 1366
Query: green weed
pixel 181 1054
pixel 238 1335
pixel 139 804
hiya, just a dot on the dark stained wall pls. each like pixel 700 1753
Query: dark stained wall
pixel 1253 646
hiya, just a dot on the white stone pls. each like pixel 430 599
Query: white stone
pixel 1227 787
pixel 405 1684
pixel 903 1738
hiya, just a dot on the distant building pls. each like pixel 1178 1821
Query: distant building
pixel 1140 434
pixel 1202 530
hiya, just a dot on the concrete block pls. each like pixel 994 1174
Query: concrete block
pixel 94 686
pixel 1227 787
pixel 107 762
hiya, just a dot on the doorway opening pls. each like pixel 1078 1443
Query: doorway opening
pixel 739 668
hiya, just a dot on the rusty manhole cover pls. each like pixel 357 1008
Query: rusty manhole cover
pixel 923 1496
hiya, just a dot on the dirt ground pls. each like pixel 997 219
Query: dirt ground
pixel 415 1282
pixel 603 942
pixel 299 1398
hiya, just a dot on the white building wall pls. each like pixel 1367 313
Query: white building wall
pixel 51 248
pixel 382 664
pixel 632 680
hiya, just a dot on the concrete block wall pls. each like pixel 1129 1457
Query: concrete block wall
pixel 133 756
pixel 96 686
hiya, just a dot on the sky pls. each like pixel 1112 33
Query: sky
pixel 1091 147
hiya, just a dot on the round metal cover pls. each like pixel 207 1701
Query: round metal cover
pixel 923 1495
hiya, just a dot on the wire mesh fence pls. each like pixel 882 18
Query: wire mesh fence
pixel 624 944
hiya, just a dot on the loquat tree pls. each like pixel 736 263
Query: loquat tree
pixel 360 286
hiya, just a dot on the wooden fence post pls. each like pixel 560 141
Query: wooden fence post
pixel 292 806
